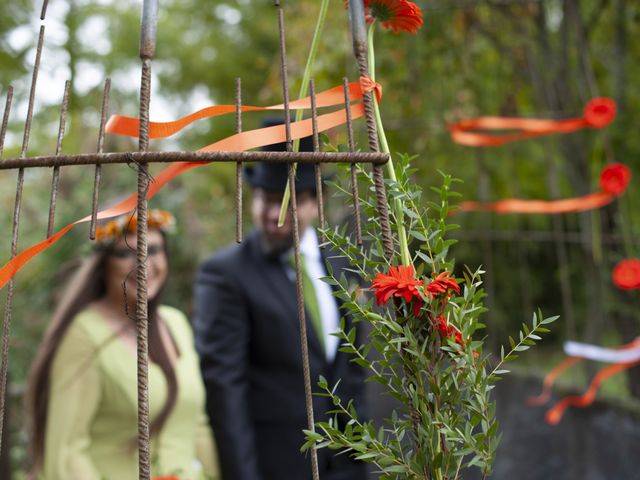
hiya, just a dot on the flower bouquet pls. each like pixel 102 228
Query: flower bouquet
pixel 423 347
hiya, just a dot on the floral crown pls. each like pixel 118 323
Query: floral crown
pixel 114 229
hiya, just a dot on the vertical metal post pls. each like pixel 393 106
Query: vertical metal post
pixel 354 176
pixel 359 34
pixel 6 327
pixel 55 177
pixel 296 245
pixel 318 170
pixel 238 164
pixel 98 170
pixel 148 29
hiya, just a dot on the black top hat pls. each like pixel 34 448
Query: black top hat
pixel 274 176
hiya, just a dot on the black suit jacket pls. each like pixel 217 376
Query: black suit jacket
pixel 248 338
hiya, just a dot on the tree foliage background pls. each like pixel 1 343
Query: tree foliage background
pixel 541 58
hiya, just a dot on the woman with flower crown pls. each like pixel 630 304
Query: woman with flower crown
pixel 82 398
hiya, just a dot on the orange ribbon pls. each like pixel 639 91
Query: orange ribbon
pixel 598 113
pixel 614 180
pixel 554 414
pixel 515 205
pixel 239 142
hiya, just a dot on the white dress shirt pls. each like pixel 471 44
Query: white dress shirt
pixel 327 304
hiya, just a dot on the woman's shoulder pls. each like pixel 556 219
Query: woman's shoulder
pixel 177 322
pixel 90 324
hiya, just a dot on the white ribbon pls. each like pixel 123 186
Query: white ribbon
pixel 601 354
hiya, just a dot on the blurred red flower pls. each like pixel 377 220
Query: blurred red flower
pixel 166 477
pixel 400 282
pixel 600 112
pixel 394 14
pixel 443 284
pixel 626 274
pixel 447 330
pixel 615 178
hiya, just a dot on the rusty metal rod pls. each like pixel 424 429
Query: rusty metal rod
pixel 359 35
pixel 318 169
pixel 5 118
pixel 148 29
pixel 296 244
pixel 6 326
pixel 204 157
pixel 98 170
pixel 238 164
pixel 354 174
pixel 55 177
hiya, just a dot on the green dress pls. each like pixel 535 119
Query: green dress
pixel 92 415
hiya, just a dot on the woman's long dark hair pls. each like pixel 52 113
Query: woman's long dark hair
pixel 87 285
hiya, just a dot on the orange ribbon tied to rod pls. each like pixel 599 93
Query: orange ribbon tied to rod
pixel 614 180
pixel 598 113
pixel 240 142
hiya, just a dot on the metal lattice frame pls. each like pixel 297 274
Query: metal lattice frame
pixel 141 160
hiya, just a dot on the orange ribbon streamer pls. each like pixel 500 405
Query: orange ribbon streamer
pixel 130 126
pixel 614 180
pixel 550 379
pixel 554 414
pixel 598 113
pixel 238 142
pixel 515 205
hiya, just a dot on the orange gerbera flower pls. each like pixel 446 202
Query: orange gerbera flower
pixel 395 14
pixel 443 284
pixel 400 282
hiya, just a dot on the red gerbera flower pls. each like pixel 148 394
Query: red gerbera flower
pixel 600 112
pixel 626 274
pixel 449 331
pixel 443 284
pixel 395 14
pixel 400 282
pixel 615 178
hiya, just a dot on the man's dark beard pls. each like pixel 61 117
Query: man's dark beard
pixel 275 250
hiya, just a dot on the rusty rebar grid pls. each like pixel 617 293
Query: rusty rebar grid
pixel 355 193
pixel 317 167
pixel 308 394
pixel 55 176
pixel 201 157
pixel 359 35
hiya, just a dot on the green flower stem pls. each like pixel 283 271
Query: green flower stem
pixel 306 77
pixel 384 147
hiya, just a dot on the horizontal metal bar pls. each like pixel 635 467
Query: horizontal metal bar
pixel 205 157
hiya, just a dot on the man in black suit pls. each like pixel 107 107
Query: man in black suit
pixel 248 338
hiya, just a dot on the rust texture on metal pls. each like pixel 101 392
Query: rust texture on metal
pixel 147 50
pixel 5 118
pixel 296 244
pixel 359 36
pixel 204 157
pixel 238 164
pixel 355 193
pixel 55 176
pixel 148 29
pixel 6 326
pixel 318 168
pixel 98 169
